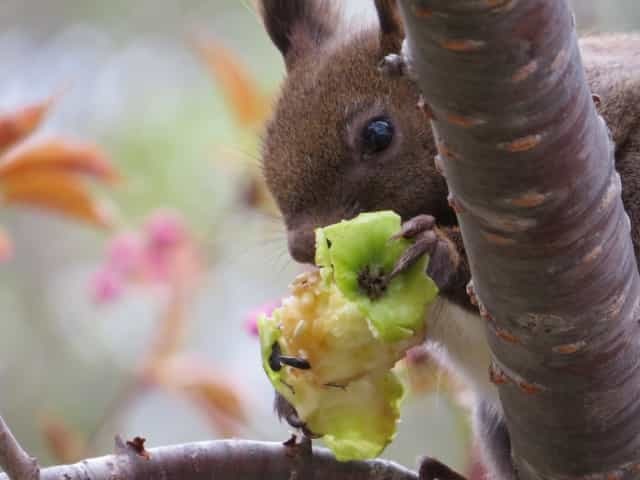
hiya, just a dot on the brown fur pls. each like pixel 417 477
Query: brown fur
pixel 312 162
pixel 612 64
pixel 297 28
pixel 316 172
pixel 391 28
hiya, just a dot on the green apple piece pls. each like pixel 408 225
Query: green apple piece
pixel 356 418
pixel 349 395
pixel 349 247
pixel 269 335
pixel 362 419
pixel 318 323
pixel 357 421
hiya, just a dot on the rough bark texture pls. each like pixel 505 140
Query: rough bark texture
pixel 531 172
pixel 230 459
pixel 13 459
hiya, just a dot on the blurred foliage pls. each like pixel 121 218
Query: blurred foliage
pixel 164 156
pixel 49 174
pixel 141 329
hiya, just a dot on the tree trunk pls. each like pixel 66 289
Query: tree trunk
pixel 530 169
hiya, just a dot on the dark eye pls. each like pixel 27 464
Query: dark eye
pixel 377 136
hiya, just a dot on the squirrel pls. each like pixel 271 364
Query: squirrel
pixel 348 135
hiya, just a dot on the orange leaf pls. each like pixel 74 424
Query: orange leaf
pixel 257 195
pixel 54 190
pixel 17 125
pixel 254 192
pixel 59 155
pixel 66 445
pixel 247 102
pixel 218 397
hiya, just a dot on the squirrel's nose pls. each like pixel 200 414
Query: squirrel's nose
pixel 302 244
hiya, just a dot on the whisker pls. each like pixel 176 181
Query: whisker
pixel 273 248
pixel 285 261
pixel 352 204
pixel 252 10
pixel 272 217
pixel 354 208
pixel 439 373
pixel 275 236
pixel 243 151
pixel 274 259
pixel 435 317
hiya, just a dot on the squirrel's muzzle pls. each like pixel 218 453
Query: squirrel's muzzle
pixel 302 244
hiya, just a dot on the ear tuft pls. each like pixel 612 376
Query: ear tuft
pixel 391 28
pixel 297 27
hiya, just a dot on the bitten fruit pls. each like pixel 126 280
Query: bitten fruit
pixel 331 347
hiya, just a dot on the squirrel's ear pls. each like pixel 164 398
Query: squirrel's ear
pixel 298 27
pixel 391 29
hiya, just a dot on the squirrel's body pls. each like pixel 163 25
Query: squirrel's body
pixel 348 136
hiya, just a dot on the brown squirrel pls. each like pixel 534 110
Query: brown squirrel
pixel 348 136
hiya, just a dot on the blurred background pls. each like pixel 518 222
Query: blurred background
pixel 127 307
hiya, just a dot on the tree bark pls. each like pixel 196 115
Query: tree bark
pixel 18 464
pixel 224 459
pixel 530 168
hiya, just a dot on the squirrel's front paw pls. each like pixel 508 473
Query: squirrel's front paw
pixel 428 239
pixel 287 412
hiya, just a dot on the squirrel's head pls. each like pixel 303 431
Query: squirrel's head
pixel 347 135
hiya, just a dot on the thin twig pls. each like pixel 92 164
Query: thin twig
pixel 229 459
pixel 14 460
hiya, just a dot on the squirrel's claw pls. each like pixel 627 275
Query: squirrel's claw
pixel 287 412
pixel 424 244
pixel 415 226
pixel 428 240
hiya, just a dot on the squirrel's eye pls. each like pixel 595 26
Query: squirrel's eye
pixel 377 135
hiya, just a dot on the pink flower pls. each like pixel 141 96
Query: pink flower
pixel 150 256
pixel 251 320
pixel 107 285
pixel 125 253
pixel 6 247
pixel 164 230
pixel 156 265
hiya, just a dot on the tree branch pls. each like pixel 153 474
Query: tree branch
pixel 531 173
pixel 225 459
pixel 18 464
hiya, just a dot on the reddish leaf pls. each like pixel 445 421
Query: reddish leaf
pixel 257 195
pixel 57 191
pixel 216 394
pixel 253 188
pixel 56 155
pixel 66 444
pixel 17 125
pixel 247 102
